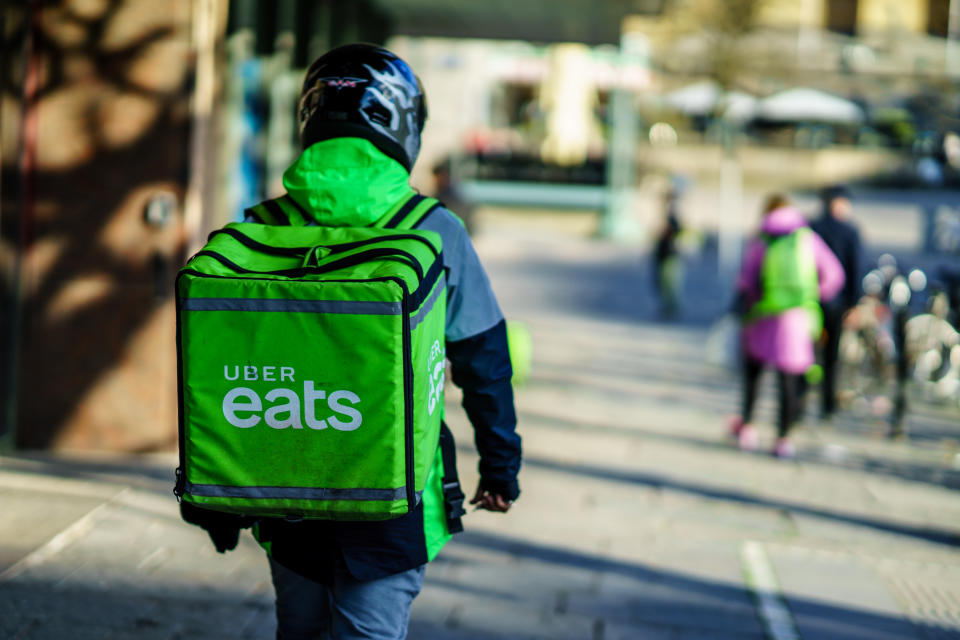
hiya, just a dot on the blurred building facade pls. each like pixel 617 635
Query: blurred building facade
pixel 107 120
pixel 131 128
pixel 114 117
pixel 840 45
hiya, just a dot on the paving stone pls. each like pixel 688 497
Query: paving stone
pixel 833 595
pixel 420 630
pixel 32 518
pixel 501 620
pixel 672 601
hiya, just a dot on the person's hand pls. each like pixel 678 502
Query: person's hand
pixel 224 538
pixel 485 499
pixel 223 528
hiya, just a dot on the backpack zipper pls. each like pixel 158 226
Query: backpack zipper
pixel 250 243
pixel 395 255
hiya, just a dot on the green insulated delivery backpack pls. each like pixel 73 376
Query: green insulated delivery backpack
pixel 311 367
pixel 788 279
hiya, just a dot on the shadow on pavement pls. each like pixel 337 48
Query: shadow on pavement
pixel 623 291
pixel 645 598
pixel 819 456
pixel 681 603
pixel 657 481
pixel 148 472
pixel 710 396
pixel 102 610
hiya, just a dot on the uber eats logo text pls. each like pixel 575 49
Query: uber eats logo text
pixel 243 407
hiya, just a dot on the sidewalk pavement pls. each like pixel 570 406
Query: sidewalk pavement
pixel 637 520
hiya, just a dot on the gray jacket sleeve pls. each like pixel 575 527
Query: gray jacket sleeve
pixel 480 358
pixel 471 305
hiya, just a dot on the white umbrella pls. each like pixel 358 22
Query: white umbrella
pixel 740 106
pixel 809 105
pixel 695 99
pixel 702 97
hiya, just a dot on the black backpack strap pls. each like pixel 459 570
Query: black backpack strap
pixel 453 495
pixel 268 212
pixel 253 214
pixel 404 211
pixel 423 218
pixel 297 211
pixel 276 211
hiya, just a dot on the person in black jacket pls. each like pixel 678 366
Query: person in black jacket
pixel 361 113
pixel 843 238
pixel 667 268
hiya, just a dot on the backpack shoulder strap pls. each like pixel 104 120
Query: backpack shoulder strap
pixel 452 493
pixel 283 211
pixel 411 214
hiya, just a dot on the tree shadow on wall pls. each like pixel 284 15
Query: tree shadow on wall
pixel 95 273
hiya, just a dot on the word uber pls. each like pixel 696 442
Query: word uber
pixel 243 407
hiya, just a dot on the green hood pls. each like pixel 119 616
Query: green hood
pixel 346 182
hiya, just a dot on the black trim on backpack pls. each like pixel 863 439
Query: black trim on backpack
pixel 426 283
pixel 386 254
pixel 277 212
pixel 453 495
pixel 347 246
pixel 250 243
pixel 426 215
pixel 404 211
pixel 296 205
pixel 250 212
pixel 181 472
pixel 408 400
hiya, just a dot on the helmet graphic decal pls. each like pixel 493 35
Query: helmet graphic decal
pixel 403 94
pixel 340 83
pixel 364 91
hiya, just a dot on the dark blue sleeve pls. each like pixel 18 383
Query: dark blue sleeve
pixel 481 367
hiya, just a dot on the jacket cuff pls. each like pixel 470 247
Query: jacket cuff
pixel 508 489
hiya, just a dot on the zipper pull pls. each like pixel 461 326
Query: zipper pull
pixel 315 255
pixel 179 486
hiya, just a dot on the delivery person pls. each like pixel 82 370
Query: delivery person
pixel 361 113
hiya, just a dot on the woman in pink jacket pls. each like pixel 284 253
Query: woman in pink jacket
pixel 787 270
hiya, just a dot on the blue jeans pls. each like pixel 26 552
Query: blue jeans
pixel 347 610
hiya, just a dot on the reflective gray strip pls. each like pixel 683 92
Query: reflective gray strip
pixel 427 306
pixel 294 493
pixel 301 306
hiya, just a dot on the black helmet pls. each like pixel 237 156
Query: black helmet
pixel 363 91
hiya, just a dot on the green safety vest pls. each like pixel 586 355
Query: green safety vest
pixel 311 364
pixel 788 279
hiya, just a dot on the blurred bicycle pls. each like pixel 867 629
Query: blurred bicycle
pixel 933 344
pixel 867 353
pixel 947 230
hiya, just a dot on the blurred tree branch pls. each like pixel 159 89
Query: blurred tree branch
pixel 715 32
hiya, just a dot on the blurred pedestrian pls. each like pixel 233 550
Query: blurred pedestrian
pixel 787 270
pixel 445 190
pixel 667 266
pixel 843 238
